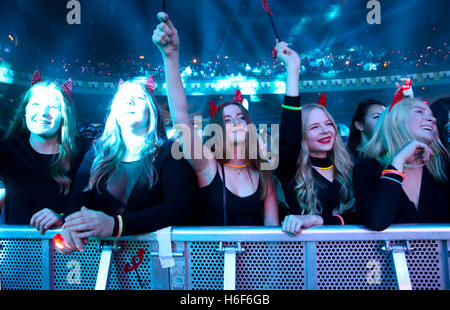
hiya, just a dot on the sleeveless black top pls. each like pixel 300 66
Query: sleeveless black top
pixel 240 211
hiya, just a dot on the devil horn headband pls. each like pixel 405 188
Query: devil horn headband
pixel 322 100
pixel 238 98
pixel 67 86
pixel 399 94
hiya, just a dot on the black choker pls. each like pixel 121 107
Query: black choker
pixel 321 162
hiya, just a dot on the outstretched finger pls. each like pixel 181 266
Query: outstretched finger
pixel 164 17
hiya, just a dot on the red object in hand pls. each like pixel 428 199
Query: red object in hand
pixel 58 241
pixel 274 53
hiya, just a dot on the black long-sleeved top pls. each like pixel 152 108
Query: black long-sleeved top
pixel 328 193
pixel 167 203
pixel 28 183
pixel 382 202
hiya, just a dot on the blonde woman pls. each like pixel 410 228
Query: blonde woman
pixel 315 168
pixel 40 156
pixel 406 178
pixel 129 183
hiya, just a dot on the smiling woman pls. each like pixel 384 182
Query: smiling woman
pixel 39 157
pixel 128 182
pixel 405 179
pixel 315 167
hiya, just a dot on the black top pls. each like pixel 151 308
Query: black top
pixel 357 156
pixel 382 202
pixel 167 203
pixel 240 211
pixel 29 185
pixel 328 193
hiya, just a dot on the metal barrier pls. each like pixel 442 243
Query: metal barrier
pixel 242 258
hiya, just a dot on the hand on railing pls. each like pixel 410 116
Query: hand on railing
pixel 293 225
pixel 46 219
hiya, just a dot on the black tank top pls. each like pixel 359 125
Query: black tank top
pixel 240 211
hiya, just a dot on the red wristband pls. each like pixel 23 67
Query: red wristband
pixel 341 218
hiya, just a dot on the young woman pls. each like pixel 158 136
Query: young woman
pixel 441 110
pixel 234 190
pixel 129 183
pixel 363 126
pixel 40 156
pixel 406 178
pixel 315 167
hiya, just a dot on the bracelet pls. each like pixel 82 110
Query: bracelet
pixel 393 172
pixel 291 108
pixel 341 218
pixel 119 234
pixel 388 178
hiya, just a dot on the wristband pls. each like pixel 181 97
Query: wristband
pixel 393 172
pixel 392 179
pixel 119 233
pixel 341 218
pixel 291 108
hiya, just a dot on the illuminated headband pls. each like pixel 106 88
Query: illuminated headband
pixel 150 84
pixel 399 94
pixel 67 86
pixel 237 99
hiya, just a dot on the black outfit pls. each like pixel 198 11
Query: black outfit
pixel 328 193
pixel 28 183
pixel 357 156
pixel 381 202
pixel 240 211
pixel 166 203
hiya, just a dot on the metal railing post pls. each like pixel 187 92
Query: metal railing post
pixel 229 268
pixel 398 254
pixel 104 269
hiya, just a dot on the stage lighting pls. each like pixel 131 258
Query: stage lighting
pixel 333 12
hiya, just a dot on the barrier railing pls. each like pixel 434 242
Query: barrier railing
pixel 241 258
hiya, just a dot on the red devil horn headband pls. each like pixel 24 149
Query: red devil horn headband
pixel 238 98
pixel 212 109
pixel 36 78
pixel 399 94
pixel 150 84
pixel 67 86
pixel 322 100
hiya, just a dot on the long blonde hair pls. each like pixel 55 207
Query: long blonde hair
pixel 110 149
pixel 67 133
pixel 392 133
pixel 306 184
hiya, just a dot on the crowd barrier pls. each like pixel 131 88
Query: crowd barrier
pixel 227 258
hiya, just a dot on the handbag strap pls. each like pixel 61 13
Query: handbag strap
pixel 224 196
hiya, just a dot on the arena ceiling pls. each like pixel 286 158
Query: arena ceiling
pixel 211 28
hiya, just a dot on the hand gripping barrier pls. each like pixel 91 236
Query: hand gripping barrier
pixel 227 258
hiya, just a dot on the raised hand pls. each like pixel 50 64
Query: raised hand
pixel 287 55
pixel 165 36
pixel 406 88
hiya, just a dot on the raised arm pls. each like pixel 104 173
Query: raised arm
pixel 291 117
pixel 166 38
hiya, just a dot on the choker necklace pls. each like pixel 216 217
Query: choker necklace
pixel 236 167
pixel 321 163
